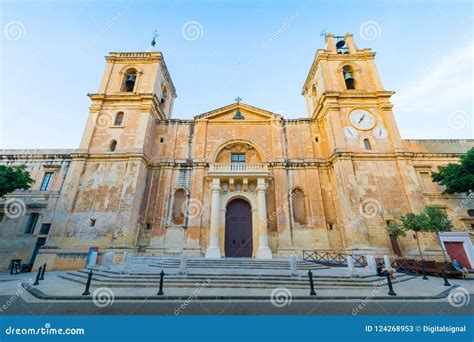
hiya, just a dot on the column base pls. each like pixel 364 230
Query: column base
pixel 213 253
pixel 264 253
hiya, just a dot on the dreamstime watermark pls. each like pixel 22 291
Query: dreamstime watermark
pixel 192 30
pixel 370 30
pixel 20 290
pixel 14 208
pixel 46 330
pixel 14 30
pixel 103 296
pixel 281 297
pixel 191 298
pixel 103 120
pixel 286 24
pixel 370 207
pixel 104 29
pixel 367 300
pixel 458 297
pixel 192 208
pixel 459 119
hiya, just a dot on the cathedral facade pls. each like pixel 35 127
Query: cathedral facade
pixel 238 181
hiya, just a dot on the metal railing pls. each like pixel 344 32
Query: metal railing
pixel 333 259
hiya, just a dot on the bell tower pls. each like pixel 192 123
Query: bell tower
pixel 135 93
pixel 344 93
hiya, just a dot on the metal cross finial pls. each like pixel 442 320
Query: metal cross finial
pixel 153 42
pixel 238 99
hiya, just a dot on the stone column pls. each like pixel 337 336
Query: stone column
pixel 213 251
pixel 263 251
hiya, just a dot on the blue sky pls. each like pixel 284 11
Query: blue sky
pixel 53 55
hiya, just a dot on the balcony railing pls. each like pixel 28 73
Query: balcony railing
pixel 242 168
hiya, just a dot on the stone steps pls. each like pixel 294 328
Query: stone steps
pixel 224 281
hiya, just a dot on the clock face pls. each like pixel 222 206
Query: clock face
pixel 380 132
pixel 362 119
pixel 350 132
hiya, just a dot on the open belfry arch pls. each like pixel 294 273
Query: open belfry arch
pixel 237 181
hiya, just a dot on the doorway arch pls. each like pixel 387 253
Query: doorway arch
pixel 238 229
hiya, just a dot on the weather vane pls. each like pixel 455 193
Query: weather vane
pixel 323 33
pixel 238 99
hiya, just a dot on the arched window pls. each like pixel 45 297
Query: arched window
pixel 129 80
pixel 348 74
pixel 113 145
pixel 367 145
pixel 164 97
pixel 299 210
pixel 179 206
pixel 119 119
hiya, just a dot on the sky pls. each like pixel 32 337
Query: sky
pixel 52 55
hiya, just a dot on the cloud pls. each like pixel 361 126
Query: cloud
pixel 447 88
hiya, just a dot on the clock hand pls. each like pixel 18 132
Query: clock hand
pixel 362 118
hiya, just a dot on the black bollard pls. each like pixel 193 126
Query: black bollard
pixel 423 270
pixel 88 284
pixel 390 286
pixel 311 284
pixel 160 292
pixel 443 274
pixel 38 275
pixel 43 271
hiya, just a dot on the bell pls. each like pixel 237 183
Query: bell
pixel 130 82
pixel 350 83
pixel 340 44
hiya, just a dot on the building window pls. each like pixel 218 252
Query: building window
pixel 367 145
pixel 348 74
pixel 237 158
pixel 32 220
pixel 129 80
pixel 164 97
pixel 148 226
pixel 119 119
pixel 46 181
pixel 92 222
pixel 45 227
pixel 299 210
pixel 113 145
pixel 179 206
pixel 162 140
pixel 470 212
pixel 330 226
pixel 426 181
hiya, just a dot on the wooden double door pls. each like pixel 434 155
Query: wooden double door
pixel 238 229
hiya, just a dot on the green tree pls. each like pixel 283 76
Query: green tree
pixel 438 221
pixel 417 223
pixel 396 229
pixel 14 178
pixel 457 178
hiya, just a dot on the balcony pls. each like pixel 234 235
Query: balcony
pixel 242 169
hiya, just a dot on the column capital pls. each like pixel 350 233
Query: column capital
pixel 216 184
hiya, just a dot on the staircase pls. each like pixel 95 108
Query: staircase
pixel 224 273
